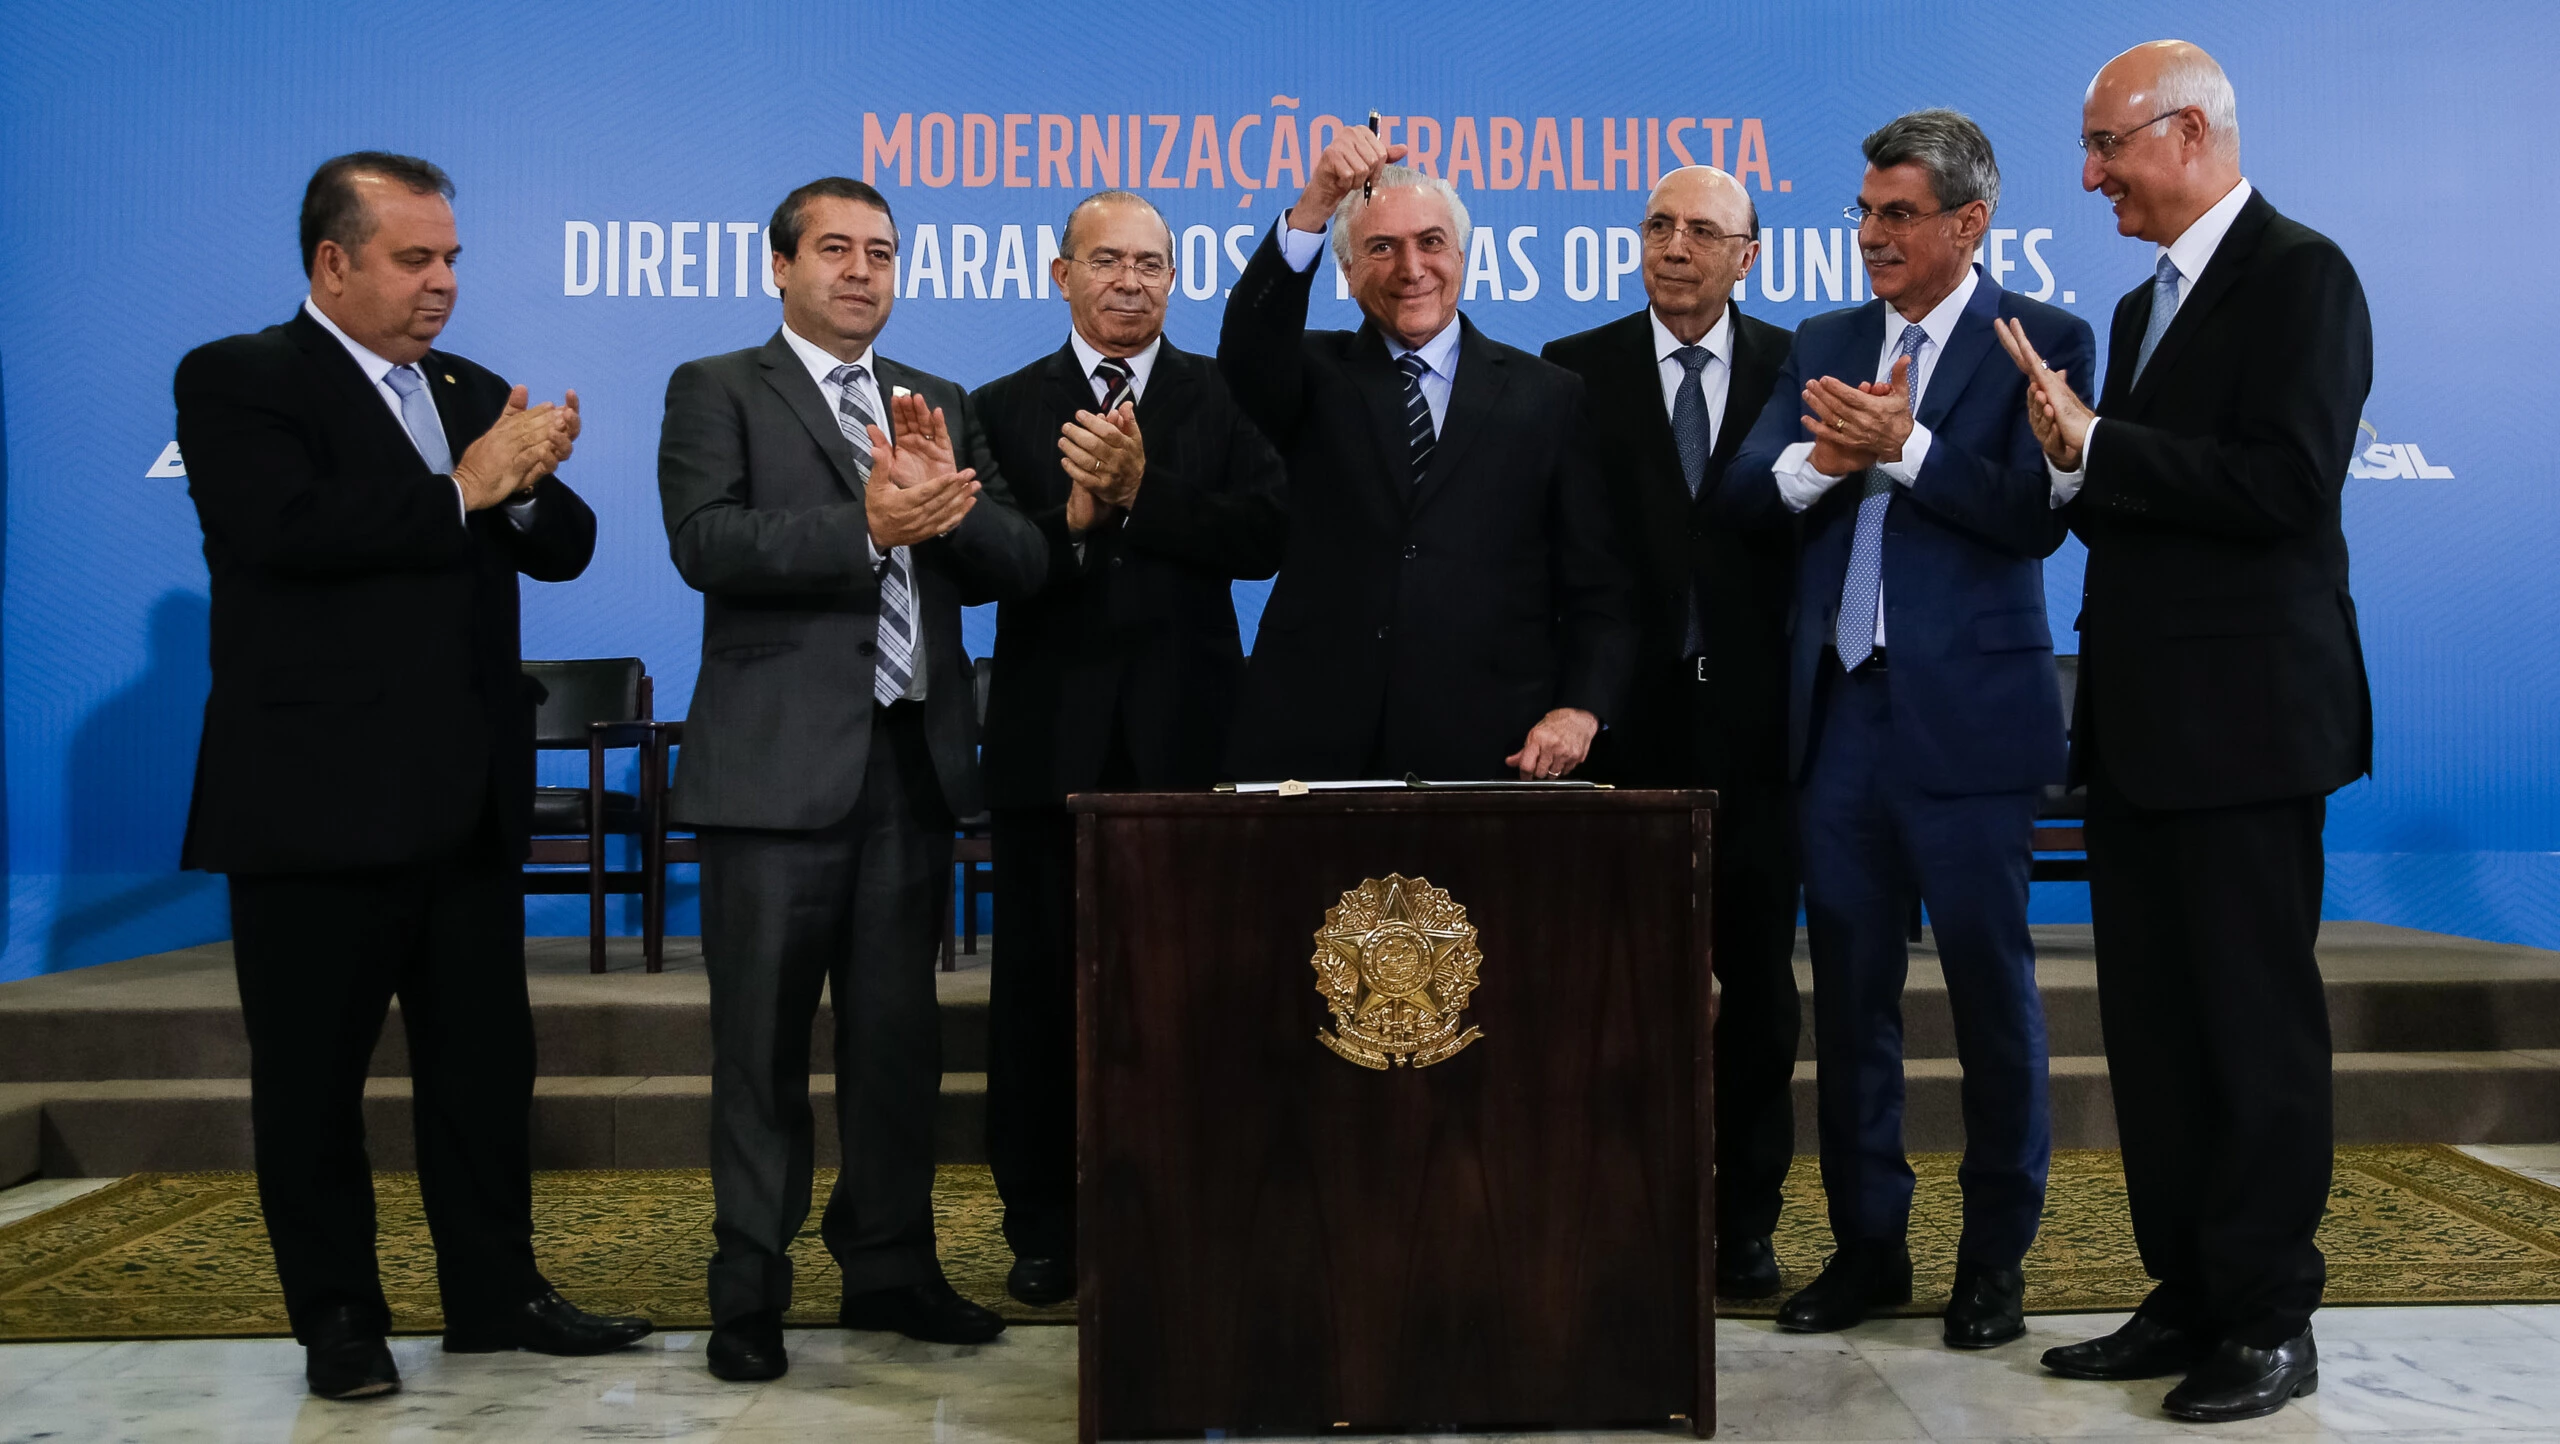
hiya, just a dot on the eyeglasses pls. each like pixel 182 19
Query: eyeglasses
pixel 2107 142
pixel 1151 271
pixel 1658 229
pixel 1894 219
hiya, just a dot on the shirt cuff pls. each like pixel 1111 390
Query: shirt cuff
pixel 461 508
pixel 520 513
pixel 1299 248
pixel 871 548
pixel 1915 454
pixel 2066 484
pixel 1799 485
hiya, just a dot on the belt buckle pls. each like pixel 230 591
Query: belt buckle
pixel 1702 667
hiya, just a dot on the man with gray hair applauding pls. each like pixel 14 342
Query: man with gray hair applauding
pixel 1448 603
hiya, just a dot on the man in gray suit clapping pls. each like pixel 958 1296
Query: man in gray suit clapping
pixel 815 495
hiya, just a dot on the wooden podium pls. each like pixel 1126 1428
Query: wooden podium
pixel 1282 1232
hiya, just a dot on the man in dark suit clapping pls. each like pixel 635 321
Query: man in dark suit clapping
pixel 1669 393
pixel 815 494
pixel 366 777
pixel 2222 699
pixel 1449 603
pixel 1153 493
pixel 1924 718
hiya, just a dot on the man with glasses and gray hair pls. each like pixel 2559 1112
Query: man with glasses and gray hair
pixel 2222 699
pixel 1924 718
pixel 1450 603
pixel 1153 494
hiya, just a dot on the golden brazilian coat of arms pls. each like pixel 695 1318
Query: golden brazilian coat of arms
pixel 1396 961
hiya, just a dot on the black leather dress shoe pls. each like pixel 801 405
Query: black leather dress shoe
pixel 931 1311
pixel 1859 1279
pixel 1746 1268
pixel 2141 1349
pixel 348 1360
pixel 2237 1382
pixel 748 1349
pixel 547 1324
pixel 1041 1282
pixel 1988 1308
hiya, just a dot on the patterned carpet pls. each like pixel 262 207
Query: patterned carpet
pixel 185 1255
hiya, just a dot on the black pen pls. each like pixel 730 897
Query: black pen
pixel 1365 192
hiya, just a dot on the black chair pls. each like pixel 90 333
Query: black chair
pixel 973 851
pixel 597 705
pixel 2063 810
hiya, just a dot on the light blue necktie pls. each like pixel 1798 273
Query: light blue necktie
pixel 1693 434
pixel 1853 635
pixel 896 667
pixel 418 413
pixel 2164 309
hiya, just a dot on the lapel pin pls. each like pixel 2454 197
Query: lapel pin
pixel 898 391
pixel 448 379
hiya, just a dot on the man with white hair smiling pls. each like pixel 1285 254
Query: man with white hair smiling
pixel 1448 604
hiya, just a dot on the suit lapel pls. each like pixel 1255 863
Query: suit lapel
pixel 1169 385
pixel 1472 398
pixel 358 394
pixel 1381 388
pixel 2124 338
pixel 2219 274
pixel 791 381
pixel 1967 346
pixel 1754 374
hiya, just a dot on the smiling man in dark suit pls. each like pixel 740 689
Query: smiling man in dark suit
pixel 814 494
pixel 1668 394
pixel 1899 435
pixel 2222 699
pixel 366 778
pixel 1449 603
pixel 1154 494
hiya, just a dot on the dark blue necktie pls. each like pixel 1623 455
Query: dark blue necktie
pixel 1419 436
pixel 1693 433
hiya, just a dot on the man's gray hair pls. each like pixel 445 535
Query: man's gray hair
pixel 2189 77
pixel 1067 236
pixel 1946 144
pixel 1396 178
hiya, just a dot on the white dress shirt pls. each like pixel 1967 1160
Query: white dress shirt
pixel 1141 366
pixel 1715 379
pixel 1800 486
pixel 1439 354
pixel 866 389
pixel 378 370
pixel 2191 252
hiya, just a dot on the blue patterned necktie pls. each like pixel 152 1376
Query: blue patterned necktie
pixel 1853 635
pixel 1693 433
pixel 1419 437
pixel 2164 309
pixel 418 414
pixel 896 668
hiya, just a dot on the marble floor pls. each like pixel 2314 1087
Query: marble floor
pixel 2388 1374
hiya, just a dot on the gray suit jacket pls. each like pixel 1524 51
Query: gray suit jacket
pixel 764 518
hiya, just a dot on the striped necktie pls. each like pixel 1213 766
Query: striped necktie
pixel 1853 636
pixel 1419 436
pixel 894 671
pixel 1116 379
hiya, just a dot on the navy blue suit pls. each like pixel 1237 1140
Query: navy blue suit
pixel 1920 776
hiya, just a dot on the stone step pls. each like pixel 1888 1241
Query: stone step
pixel 133 1125
pixel 176 1015
pixel 93 1129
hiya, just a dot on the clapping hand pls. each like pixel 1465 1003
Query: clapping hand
pixel 915 495
pixel 2060 419
pixel 524 445
pixel 1105 455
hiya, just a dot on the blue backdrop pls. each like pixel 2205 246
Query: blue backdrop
pixel 615 164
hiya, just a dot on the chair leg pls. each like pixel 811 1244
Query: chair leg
pixel 950 964
pixel 969 906
pixel 595 854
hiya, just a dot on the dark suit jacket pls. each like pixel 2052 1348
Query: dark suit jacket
pixel 1976 705
pixel 1140 632
pixel 2220 660
pixel 369 707
pixel 764 518
pixel 1418 627
pixel 1677 546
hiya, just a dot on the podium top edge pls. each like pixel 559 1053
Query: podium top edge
pixel 1442 800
